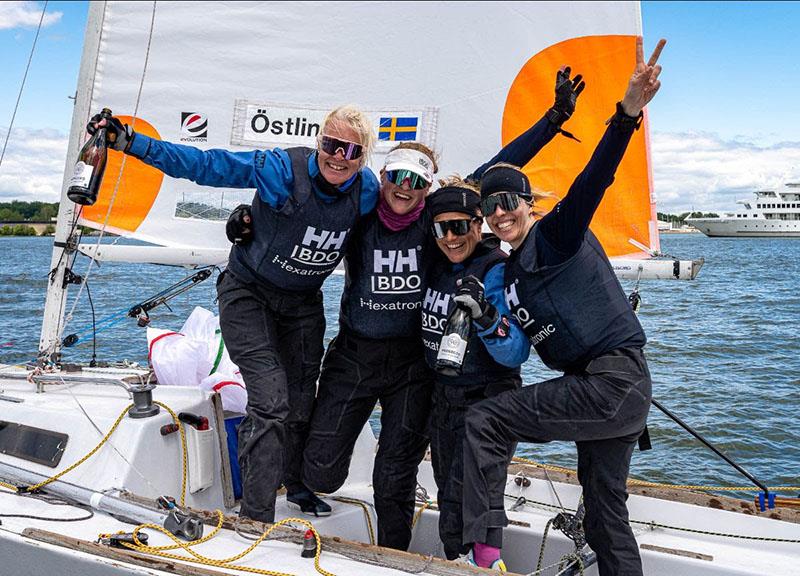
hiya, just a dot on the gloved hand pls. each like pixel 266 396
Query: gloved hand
pixel 119 136
pixel 471 297
pixel 239 228
pixel 567 92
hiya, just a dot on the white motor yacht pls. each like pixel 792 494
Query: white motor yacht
pixel 774 214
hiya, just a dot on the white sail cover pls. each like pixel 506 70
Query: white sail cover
pixel 464 78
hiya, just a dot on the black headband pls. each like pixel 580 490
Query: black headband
pixel 453 199
pixel 505 179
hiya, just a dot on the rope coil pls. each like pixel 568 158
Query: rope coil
pixel 161 551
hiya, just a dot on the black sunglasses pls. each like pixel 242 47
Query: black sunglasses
pixel 457 227
pixel 331 145
pixel 508 201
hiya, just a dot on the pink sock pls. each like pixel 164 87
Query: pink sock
pixel 484 554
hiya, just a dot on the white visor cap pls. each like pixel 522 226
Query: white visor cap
pixel 408 159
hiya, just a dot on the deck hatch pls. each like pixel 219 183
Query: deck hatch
pixel 32 444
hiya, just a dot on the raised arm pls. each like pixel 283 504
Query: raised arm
pixel 564 227
pixel 527 145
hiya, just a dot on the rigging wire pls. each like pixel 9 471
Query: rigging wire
pixel 22 86
pixel 121 169
pixel 93 362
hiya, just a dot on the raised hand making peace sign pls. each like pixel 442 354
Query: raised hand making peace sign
pixel 644 82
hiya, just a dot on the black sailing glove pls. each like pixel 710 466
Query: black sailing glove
pixel 471 297
pixel 567 92
pixel 119 136
pixel 239 229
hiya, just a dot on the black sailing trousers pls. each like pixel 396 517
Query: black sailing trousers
pixel 450 403
pixel 275 338
pixel 603 409
pixel 356 373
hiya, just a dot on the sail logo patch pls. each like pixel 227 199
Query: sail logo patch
pixel 194 127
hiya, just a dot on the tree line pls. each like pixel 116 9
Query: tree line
pixel 17 211
pixel 20 211
pixel 680 219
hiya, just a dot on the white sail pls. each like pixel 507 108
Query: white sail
pixel 241 75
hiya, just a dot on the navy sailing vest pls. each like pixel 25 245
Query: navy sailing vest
pixel 572 312
pixel 438 304
pixel 385 279
pixel 296 247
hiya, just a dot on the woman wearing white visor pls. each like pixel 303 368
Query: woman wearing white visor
pixel 378 355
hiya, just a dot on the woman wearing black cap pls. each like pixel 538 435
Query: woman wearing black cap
pixel 562 290
pixel 377 355
pixel 472 271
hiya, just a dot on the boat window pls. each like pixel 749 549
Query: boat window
pixel 32 444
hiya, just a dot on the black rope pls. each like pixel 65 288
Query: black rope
pixel 53 501
pixel 93 362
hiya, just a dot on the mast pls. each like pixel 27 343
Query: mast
pixel 64 242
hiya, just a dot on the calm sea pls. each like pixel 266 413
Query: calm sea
pixel 724 350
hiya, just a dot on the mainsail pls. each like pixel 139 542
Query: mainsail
pixel 464 78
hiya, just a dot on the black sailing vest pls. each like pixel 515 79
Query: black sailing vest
pixel 438 304
pixel 296 247
pixel 574 311
pixel 386 274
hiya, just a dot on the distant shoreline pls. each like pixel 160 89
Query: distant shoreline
pixel 695 231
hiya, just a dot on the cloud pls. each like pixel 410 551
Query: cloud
pixel 25 14
pixel 690 170
pixel 706 172
pixel 33 166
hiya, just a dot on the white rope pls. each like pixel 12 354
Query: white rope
pixel 119 175
pixel 22 86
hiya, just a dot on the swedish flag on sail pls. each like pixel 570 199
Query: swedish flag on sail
pixel 398 128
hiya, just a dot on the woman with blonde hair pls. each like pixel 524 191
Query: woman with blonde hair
pixel 378 354
pixel 562 290
pixel 306 204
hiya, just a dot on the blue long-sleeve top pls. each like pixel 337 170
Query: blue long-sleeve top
pixel 560 233
pixel 512 350
pixel 268 171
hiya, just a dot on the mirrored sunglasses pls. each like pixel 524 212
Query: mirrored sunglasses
pixel 397 177
pixel 508 201
pixel 331 145
pixel 457 227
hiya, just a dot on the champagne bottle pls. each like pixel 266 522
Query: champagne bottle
pixel 453 346
pixel 88 175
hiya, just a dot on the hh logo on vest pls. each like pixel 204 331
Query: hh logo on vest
pixel 524 317
pixel 394 272
pixel 434 311
pixel 319 247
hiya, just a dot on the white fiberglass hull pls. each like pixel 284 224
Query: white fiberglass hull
pixel 138 459
pixel 746 228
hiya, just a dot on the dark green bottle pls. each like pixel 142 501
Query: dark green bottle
pixel 88 175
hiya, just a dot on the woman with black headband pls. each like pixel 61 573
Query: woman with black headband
pixel 377 355
pixel 271 315
pixel 471 276
pixel 563 291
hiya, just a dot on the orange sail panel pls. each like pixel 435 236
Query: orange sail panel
pixel 606 62
pixel 137 191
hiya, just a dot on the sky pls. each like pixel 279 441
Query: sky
pixel 724 123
